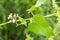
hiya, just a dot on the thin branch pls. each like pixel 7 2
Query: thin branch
pixel 32 13
pixel 49 15
pixel 4 23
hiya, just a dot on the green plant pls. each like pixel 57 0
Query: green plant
pixel 29 20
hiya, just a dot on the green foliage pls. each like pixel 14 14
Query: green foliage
pixel 29 20
pixel 40 26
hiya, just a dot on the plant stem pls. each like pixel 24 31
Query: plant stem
pixel 4 23
pixel 32 13
pixel 49 15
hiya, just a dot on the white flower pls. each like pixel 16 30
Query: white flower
pixel 13 20
pixel 14 15
pixel 10 16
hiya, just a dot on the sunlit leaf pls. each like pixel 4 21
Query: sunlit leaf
pixel 40 26
pixel 39 3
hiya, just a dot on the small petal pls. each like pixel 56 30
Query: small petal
pixel 14 15
pixel 13 20
pixel 10 16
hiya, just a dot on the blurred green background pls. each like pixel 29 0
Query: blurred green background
pixel 20 7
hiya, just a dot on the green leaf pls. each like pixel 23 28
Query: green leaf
pixel 40 26
pixel 40 2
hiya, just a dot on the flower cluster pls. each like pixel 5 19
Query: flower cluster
pixel 12 18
